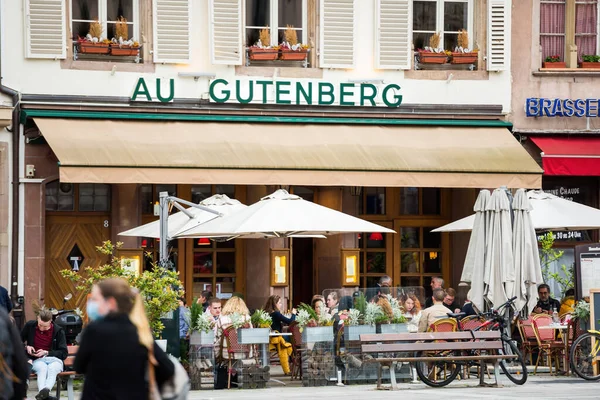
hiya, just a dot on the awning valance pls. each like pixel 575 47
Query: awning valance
pixel 573 156
pixel 117 151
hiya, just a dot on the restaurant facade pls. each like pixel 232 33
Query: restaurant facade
pixel 555 110
pixel 363 124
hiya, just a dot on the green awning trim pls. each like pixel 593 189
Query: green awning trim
pixel 259 118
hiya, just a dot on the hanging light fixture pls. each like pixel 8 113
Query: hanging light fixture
pixel 203 242
pixel 433 255
pixel 144 243
pixel 376 236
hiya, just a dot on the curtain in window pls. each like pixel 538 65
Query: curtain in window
pixel 586 31
pixel 552 28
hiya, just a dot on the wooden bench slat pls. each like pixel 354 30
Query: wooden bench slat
pixel 396 337
pixel 425 359
pixel 431 346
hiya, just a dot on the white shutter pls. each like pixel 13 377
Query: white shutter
pixel 45 30
pixel 337 34
pixel 225 31
pixel 171 31
pixel 393 34
pixel 498 35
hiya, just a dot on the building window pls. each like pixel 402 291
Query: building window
pixel 446 17
pixel 372 201
pixel 420 201
pixel 373 257
pixel 420 256
pixel 201 192
pixel 108 13
pixel 213 267
pixel 149 195
pixel 77 197
pixel 553 32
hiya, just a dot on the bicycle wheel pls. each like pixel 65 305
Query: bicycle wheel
pixel 437 373
pixel 514 368
pixel 584 356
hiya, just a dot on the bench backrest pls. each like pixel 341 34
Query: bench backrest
pixel 72 351
pixel 430 341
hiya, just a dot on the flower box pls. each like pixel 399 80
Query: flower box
pixel 464 58
pixel 587 64
pixel 427 57
pixel 93 48
pixel 117 50
pixel 317 334
pixel 258 54
pixel 560 64
pixel 202 338
pixel 253 335
pixel 394 328
pixel 291 55
pixel 353 332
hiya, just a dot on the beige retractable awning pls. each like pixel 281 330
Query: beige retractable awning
pixel 116 151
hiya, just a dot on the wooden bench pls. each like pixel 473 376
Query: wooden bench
pixel 468 343
pixel 68 375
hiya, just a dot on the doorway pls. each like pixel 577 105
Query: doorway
pixel 302 274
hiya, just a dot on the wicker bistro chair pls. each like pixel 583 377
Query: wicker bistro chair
pixel 471 322
pixel 296 351
pixel 529 343
pixel 235 350
pixel 547 344
pixel 444 325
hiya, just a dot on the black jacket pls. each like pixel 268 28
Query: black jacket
pixel 14 355
pixel 5 300
pixel 58 348
pixel 115 363
pixel 278 319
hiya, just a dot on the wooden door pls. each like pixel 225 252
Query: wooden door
pixel 63 233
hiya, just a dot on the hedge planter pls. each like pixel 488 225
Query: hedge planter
pixel 394 328
pixel 254 335
pixel 426 57
pixel 202 338
pixel 464 58
pixel 93 48
pixel 353 332
pixel 561 64
pixel 317 334
pixel 263 54
pixel 586 64
pixel 291 55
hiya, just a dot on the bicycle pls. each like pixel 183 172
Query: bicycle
pixel 441 373
pixel 584 357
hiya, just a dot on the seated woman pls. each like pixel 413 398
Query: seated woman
pixel 318 304
pixel 412 312
pixel 567 305
pixel 235 305
pixel 284 349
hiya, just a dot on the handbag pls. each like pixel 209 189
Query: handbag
pixel 175 388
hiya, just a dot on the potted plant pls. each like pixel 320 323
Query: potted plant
pixel 93 43
pixel 246 333
pixel 582 313
pixel 462 54
pixel 590 61
pixel 120 45
pixel 260 319
pixel 314 327
pixel 201 327
pixel 554 62
pixel 262 50
pixel 432 54
pixel 291 50
pixel 397 321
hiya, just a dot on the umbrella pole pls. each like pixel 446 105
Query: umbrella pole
pixel 164 229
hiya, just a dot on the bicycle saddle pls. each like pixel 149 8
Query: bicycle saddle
pixel 456 315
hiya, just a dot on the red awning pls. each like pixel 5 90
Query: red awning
pixel 575 156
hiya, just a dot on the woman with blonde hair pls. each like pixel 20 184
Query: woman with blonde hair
pixel 284 349
pixel 117 353
pixel 234 308
pixel 412 312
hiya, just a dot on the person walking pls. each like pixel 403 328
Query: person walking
pixel 5 300
pixel 14 369
pixel 46 346
pixel 117 353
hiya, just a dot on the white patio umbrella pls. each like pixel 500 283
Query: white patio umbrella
pixel 179 222
pixel 473 271
pixel 549 212
pixel 282 215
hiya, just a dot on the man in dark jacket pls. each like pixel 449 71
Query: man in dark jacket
pixel 5 300
pixel 14 369
pixel 46 346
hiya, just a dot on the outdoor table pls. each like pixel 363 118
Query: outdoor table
pixel 265 352
pixel 561 328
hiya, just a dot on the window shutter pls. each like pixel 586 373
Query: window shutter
pixel 393 34
pixel 171 31
pixel 226 32
pixel 337 34
pixel 45 30
pixel 498 31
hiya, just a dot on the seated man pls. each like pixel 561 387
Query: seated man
pixel 436 283
pixel 546 304
pixel 214 309
pixel 46 346
pixel 435 312
pixel 450 301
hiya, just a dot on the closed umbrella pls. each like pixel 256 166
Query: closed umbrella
pixel 475 260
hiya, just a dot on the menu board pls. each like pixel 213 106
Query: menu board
pixel 594 309
pixel 587 269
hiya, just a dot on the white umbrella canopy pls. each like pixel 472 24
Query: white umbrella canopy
pixel 549 212
pixel 179 222
pixel 282 215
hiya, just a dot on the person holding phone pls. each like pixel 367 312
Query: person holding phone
pixel 46 347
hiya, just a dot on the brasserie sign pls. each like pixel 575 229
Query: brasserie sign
pixel 281 92
pixel 542 107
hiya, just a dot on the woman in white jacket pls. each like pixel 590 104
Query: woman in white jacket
pixel 412 312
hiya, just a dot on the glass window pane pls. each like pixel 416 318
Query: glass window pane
pixel 86 203
pixel 432 263
pixel 431 240
pixel 375 263
pixel 304 192
pixel 199 285
pixel 101 203
pixel 203 263
pixel 65 189
pixel 455 16
pixel 226 244
pixel 146 199
pixel 225 287
pixel 407 281
pixel 86 189
pixel 85 9
pixel 228 190
pixel 80 29
pixel 281 35
pixel 225 263
pixel 111 29
pixel 427 287
pixel 52 196
pixel 375 201
pixel 424 15
pixel 409 201
pixel 65 203
pixel 120 8
pixel 258 13
pixel 409 238
pixel 290 13
pixel 200 192
pixel 450 41
pixel 431 201
pixel 421 40
pixel 101 189
pixel 409 262
pixel 371 281
pixel 172 189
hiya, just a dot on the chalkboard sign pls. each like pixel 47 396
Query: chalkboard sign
pixel 595 309
pixel 587 269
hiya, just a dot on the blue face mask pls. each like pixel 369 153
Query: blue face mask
pixel 93 311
